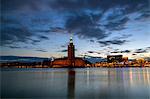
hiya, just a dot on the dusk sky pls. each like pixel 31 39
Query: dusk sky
pixel 42 28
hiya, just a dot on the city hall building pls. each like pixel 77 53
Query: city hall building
pixel 71 60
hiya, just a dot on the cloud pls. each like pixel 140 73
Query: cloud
pixel 84 26
pixel 63 46
pixel 90 51
pixel 134 54
pixel 14 47
pixel 42 21
pixel 140 51
pixel 22 20
pixel 8 20
pixel 124 36
pixel 114 42
pixel 90 56
pixel 57 29
pixel 43 30
pixel 123 51
pixel 126 51
pixel 76 5
pixel 144 14
pixel 14 31
pixel 41 50
pixel 147 48
pixel 12 35
pixel 118 24
pixel 13 5
pixel 34 42
pixel 92 41
pixel 65 50
pixel 43 37
pixel 93 52
pixel 93 23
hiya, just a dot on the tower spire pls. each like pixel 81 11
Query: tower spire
pixel 71 38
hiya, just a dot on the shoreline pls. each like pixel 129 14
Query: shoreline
pixel 79 67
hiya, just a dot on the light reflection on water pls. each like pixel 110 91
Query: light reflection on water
pixel 83 83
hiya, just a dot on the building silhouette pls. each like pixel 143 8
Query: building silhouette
pixel 114 58
pixel 71 60
pixel 71 52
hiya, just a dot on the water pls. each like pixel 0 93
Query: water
pixel 79 83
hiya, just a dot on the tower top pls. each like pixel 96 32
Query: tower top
pixel 71 38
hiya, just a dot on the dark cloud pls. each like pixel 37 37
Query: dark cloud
pixel 57 29
pixel 43 30
pixel 10 35
pixel 35 41
pixel 115 52
pixel 144 14
pixel 85 26
pixel 42 21
pixel 13 32
pixel 68 5
pixel 140 51
pixel 148 48
pixel 8 20
pixel 41 50
pixel 92 41
pixel 14 47
pixel 63 46
pixel 93 52
pixel 134 54
pixel 123 51
pixel 85 18
pixel 143 51
pixel 90 51
pixel 43 37
pixel 75 5
pixel 65 50
pixel 109 42
pixel 13 5
pixel 52 29
pixel 126 51
pixel 117 25
pixel 79 20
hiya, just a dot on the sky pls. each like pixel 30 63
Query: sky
pixel 42 28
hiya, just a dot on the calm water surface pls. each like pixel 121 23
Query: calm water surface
pixel 79 83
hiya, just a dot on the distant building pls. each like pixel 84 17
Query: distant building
pixel 71 60
pixel 114 58
pixel 125 59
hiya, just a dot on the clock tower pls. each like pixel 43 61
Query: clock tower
pixel 71 51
